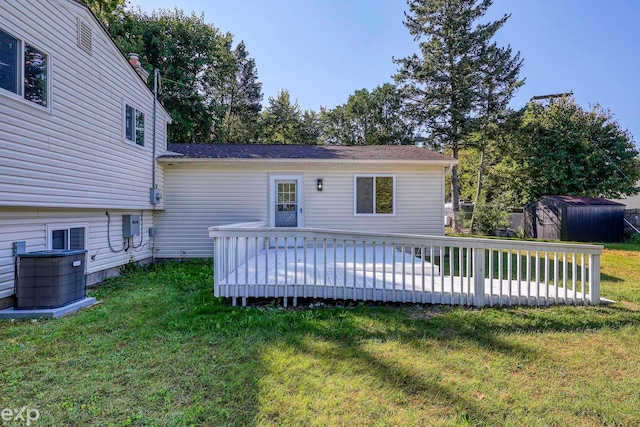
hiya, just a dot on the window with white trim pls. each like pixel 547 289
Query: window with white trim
pixel 374 194
pixel 66 237
pixel 133 125
pixel 24 69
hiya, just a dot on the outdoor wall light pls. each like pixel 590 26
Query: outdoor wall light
pixel 319 184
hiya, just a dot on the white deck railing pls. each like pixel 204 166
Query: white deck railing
pixel 311 263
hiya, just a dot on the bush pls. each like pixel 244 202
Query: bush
pixel 634 239
pixel 489 218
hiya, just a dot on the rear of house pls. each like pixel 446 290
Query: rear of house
pixel 390 189
pixel 76 140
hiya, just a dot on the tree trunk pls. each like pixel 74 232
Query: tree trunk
pixel 478 189
pixel 455 195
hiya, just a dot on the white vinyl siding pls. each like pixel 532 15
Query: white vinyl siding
pixel 200 196
pixel 67 164
pixel 73 156
pixel 200 199
pixel 35 226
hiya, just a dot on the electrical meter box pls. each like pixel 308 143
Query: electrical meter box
pixel 130 225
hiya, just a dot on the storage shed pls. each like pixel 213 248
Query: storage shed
pixel 580 219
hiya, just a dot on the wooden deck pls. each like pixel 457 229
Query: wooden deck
pixel 253 261
pixel 365 273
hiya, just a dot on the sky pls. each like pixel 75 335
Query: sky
pixel 322 51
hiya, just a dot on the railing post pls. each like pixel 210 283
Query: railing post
pixel 216 263
pixel 478 276
pixel 594 279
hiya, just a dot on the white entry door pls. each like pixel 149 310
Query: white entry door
pixel 286 201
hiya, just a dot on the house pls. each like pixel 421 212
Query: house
pixel 78 140
pixel 84 159
pixel 391 189
pixel 571 218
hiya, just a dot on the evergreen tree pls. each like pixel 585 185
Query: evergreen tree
pixel 443 84
pixel 282 120
pixel 237 99
pixel 311 128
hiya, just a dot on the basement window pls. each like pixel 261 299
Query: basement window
pixel 65 237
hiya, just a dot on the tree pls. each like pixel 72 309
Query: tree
pixel 106 10
pixel 499 79
pixel 567 150
pixel 311 128
pixel 282 120
pixel 368 118
pixel 500 182
pixel 443 85
pixel 237 99
pixel 335 126
pixel 209 89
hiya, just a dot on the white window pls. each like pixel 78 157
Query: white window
pixel 67 237
pixel 24 69
pixel 375 194
pixel 133 125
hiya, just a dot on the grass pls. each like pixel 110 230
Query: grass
pixel 161 351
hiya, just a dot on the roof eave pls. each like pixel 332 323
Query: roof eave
pixel 435 162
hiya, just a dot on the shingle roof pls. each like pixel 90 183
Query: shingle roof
pixel 320 152
pixel 581 201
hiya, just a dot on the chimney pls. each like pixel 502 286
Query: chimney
pixel 134 60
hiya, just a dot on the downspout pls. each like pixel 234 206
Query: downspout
pixel 156 72
pixel 154 200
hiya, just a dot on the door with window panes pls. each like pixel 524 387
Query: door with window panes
pixel 286 208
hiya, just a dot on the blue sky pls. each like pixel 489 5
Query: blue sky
pixel 324 50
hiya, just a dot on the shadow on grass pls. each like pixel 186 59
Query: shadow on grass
pixel 608 278
pixel 161 338
pixel 456 330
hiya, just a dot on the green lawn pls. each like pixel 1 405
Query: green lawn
pixel 161 351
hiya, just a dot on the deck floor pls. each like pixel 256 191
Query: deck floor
pixel 348 274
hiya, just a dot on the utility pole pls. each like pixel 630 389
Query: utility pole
pixel 552 96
